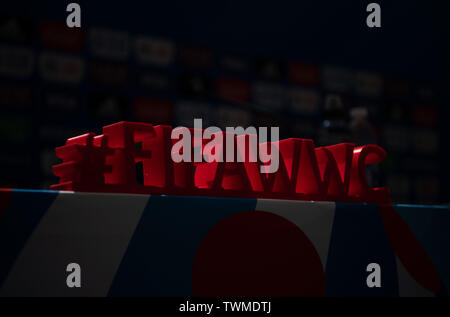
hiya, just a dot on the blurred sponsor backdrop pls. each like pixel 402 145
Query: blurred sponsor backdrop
pixel 312 68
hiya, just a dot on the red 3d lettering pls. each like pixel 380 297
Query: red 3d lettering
pixel 108 163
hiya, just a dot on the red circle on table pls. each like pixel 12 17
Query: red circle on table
pixel 257 253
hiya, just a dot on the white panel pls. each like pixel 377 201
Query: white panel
pixel 90 229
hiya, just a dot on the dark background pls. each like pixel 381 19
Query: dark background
pixel 299 65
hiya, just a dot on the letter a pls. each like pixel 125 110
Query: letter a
pixel 374 18
pixel 74 18
pixel 181 150
pixel 374 278
pixel 74 278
